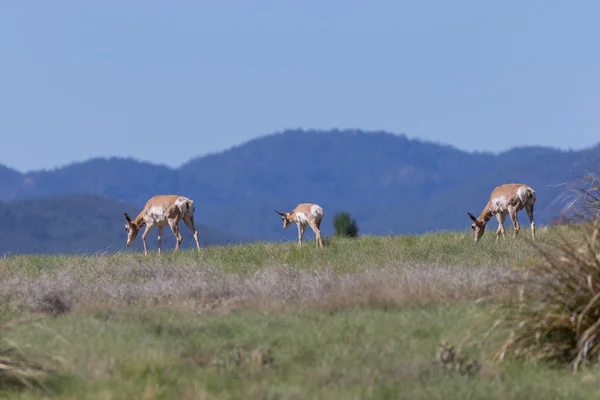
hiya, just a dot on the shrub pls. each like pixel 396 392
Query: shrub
pixel 53 303
pixel 586 202
pixel 558 319
pixel 345 225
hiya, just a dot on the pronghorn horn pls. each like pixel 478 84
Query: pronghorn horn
pixel 474 219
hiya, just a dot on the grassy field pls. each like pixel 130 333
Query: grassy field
pixel 361 319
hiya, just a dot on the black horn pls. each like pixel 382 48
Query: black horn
pixel 474 219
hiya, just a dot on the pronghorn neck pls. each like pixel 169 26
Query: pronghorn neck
pixel 292 216
pixel 139 220
pixel 485 215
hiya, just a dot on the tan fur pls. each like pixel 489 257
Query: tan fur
pixel 512 204
pixel 175 209
pixel 313 220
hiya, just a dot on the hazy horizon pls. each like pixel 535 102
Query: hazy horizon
pixel 165 83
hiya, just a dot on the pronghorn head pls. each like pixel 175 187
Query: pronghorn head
pixel 477 226
pixel 285 218
pixel 132 230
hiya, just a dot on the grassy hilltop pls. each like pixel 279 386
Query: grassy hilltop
pixel 361 319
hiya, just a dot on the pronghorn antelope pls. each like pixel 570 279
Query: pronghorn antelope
pixel 159 211
pixel 507 199
pixel 304 214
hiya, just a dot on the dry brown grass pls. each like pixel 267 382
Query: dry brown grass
pixel 204 288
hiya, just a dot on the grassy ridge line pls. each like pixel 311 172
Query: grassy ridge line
pixel 395 271
pixel 340 255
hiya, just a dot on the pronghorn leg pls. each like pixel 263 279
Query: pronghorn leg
pixel 530 215
pixel 501 216
pixel 515 220
pixel 320 237
pixel 499 230
pixel 146 232
pixel 189 222
pixel 300 234
pixel 174 225
pixel 161 230
pixel 316 229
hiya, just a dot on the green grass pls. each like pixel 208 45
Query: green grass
pixel 360 319
pixel 372 353
pixel 340 255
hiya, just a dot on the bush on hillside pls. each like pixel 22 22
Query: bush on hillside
pixel 345 225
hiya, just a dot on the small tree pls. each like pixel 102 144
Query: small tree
pixel 345 225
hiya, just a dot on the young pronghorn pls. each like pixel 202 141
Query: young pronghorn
pixel 507 199
pixel 304 214
pixel 159 211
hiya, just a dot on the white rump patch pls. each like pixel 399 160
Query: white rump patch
pixel 316 211
pixel 522 192
pixel 182 204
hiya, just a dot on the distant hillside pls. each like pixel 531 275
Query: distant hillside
pixel 389 183
pixel 80 224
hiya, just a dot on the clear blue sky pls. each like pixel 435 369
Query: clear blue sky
pixel 166 81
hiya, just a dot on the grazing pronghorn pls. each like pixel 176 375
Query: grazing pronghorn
pixel 159 211
pixel 304 214
pixel 507 199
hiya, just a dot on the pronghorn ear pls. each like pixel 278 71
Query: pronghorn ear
pixel 127 217
pixel 280 213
